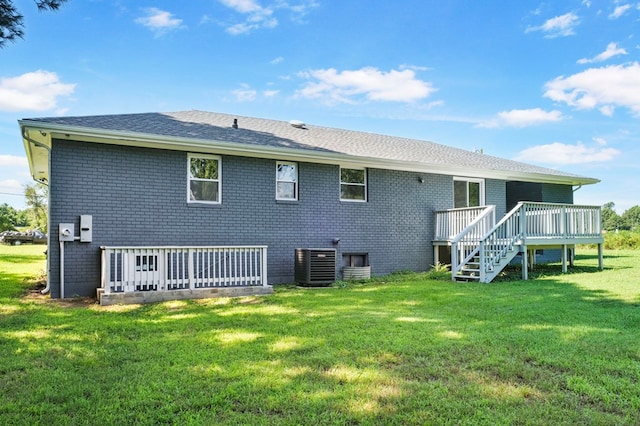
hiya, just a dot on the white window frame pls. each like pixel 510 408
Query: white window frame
pixel 350 200
pixel 219 180
pixel 295 182
pixel 469 180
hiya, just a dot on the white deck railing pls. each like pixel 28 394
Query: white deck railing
pixel 546 220
pixel 528 221
pixel 451 223
pixel 132 269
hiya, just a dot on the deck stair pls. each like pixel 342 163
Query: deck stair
pixel 483 248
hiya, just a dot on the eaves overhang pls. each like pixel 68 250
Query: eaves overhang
pixel 37 137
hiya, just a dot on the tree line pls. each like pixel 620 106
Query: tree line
pixel 32 217
pixel 627 221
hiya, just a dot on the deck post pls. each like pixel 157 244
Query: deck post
pixel 525 261
pixel 564 258
pixel 265 281
pixel 454 261
pixel 572 256
pixel 600 257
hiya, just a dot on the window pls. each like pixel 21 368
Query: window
pixel 286 181
pixel 204 179
pixel 353 184
pixel 468 192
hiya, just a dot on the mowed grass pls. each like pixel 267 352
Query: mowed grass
pixel 560 349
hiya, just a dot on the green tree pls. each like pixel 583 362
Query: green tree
pixel 8 218
pixel 36 198
pixel 11 21
pixel 611 220
pixel 632 217
pixel 22 218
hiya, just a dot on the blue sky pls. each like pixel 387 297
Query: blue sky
pixel 555 84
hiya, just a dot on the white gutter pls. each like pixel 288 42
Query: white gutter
pixel 175 143
pixel 39 144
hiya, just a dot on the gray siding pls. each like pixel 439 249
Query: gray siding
pixel 137 196
pixel 553 193
pixel 538 192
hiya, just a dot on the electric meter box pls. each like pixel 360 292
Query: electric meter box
pixel 66 231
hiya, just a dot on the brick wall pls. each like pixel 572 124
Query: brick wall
pixel 137 196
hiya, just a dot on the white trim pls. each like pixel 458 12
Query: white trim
pixel 112 137
pixel 468 180
pixel 295 182
pixel 365 184
pixel 218 158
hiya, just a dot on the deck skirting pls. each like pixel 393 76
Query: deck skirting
pixel 139 297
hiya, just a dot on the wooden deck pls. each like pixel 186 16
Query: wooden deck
pixel 481 248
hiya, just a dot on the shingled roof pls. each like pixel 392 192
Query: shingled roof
pixel 201 131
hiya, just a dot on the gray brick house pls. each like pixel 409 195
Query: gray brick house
pixel 126 191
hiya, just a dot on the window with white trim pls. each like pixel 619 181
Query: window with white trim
pixel 468 192
pixel 286 181
pixel 353 184
pixel 204 179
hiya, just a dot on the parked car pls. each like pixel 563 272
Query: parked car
pixel 34 236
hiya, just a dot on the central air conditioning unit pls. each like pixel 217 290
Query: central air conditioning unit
pixel 315 266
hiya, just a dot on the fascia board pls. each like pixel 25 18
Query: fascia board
pixel 283 153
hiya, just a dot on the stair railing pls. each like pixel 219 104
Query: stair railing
pixel 497 243
pixel 466 244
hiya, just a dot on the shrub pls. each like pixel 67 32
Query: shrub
pixel 439 271
pixel 622 240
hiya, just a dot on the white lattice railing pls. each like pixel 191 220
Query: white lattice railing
pixel 131 269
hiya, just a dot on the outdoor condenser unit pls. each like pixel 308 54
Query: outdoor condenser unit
pixel 315 266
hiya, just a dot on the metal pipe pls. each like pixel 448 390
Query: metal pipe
pixel 61 269
pixel 25 135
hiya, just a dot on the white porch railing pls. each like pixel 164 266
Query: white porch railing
pixel 134 269
pixel 545 220
pixel 464 246
pixel 489 248
pixel 452 222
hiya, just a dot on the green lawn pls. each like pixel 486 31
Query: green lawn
pixel 560 349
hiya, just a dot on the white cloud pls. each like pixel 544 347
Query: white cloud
pixel 607 110
pixel 32 91
pixel 11 186
pixel 245 93
pixel 242 6
pixel 522 118
pixel 619 11
pixel 603 88
pixel 558 153
pixel 560 26
pixel 369 82
pixel 611 51
pixel 277 60
pixel 270 93
pixel 7 160
pixel 159 21
pixel 258 16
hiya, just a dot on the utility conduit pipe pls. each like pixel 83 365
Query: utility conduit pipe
pixel 61 270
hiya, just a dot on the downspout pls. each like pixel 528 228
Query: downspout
pixel 26 137
pixel 579 186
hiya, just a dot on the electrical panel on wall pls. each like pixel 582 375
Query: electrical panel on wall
pixel 86 228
